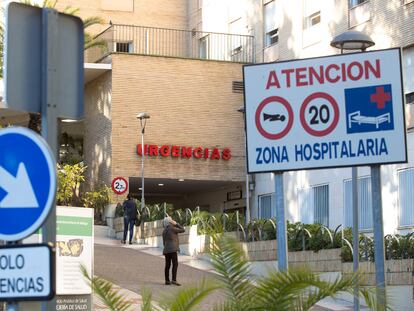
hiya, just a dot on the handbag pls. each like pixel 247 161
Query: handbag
pixel 137 222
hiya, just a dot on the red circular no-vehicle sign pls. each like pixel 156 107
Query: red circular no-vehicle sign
pixel 323 117
pixel 275 101
pixel 119 185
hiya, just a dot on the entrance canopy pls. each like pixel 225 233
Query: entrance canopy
pixel 160 187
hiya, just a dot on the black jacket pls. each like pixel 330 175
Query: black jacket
pixel 130 209
pixel 170 238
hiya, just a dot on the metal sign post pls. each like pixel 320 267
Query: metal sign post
pixel 282 250
pixel 49 112
pixel 379 252
pixel 355 232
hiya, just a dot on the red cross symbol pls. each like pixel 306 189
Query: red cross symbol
pixel 380 97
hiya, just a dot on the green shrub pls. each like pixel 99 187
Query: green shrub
pixel 70 178
pixel 119 210
pixel 97 200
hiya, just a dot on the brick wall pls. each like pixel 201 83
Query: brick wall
pixel 98 124
pixel 191 103
pixel 155 13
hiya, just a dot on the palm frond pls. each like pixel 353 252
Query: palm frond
pixel 49 4
pixel 372 302
pixel 93 20
pixel 91 43
pixel 226 306
pixel 107 293
pixel 146 295
pixel 70 10
pixel 301 289
pixel 189 298
pixel 229 261
pixel 279 290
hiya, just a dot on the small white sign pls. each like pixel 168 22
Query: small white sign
pixel 26 273
pixel 333 111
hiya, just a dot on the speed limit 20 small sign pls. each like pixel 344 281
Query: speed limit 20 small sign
pixel 332 111
pixel 119 185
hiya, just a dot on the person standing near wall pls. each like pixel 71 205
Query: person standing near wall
pixel 130 215
pixel 171 247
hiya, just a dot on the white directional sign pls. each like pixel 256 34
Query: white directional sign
pixel 27 182
pixel 330 111
pixel 26 272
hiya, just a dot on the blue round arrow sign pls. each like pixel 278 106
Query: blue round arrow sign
pixel 27 182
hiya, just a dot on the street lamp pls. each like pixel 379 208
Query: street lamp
pixel 242 110
pixel 142 116
pixel 354 40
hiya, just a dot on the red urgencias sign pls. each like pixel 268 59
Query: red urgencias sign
pixel 184 152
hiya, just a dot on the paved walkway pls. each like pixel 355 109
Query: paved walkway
pixel 133 267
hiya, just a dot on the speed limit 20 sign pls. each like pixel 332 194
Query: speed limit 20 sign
pixel 119 185
pixel 330 111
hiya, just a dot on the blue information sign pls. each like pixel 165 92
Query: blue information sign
pixel 27 182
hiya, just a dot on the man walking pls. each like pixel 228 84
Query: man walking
pixel 130 215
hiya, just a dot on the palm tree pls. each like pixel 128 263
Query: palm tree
pixel 293 290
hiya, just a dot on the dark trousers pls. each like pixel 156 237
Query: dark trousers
pixel 128 223
pixel 171 257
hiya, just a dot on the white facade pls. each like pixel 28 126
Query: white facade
pixel 285 30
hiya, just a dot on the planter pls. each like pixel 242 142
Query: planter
pixel 261 250
pixel 398 272
pixel 325 260
pixel 118 224
pixel 153 228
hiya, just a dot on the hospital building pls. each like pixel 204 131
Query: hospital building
pixel 181 62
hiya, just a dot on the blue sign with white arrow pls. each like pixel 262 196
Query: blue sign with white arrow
pixel 27 182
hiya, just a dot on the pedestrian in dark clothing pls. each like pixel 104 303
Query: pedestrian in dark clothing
pixel 130 214
pixel 171 247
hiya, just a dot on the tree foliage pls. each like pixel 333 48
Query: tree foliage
pixel 97 199
pixel 70 178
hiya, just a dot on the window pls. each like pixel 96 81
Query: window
pixel 314 205
pixel 409 98
pixel 273 36
pixel 312 20
pixel 203 47
pixel 311 13
pixel 353 3
pixel 265 206
pixel 271 23
pixel 408 73
pixel 124 47
pixel 406 197
pixel 364 203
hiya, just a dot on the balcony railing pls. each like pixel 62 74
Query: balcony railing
pixel 172 43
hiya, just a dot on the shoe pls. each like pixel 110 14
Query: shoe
pixel 175 283
pixel 167 283
pixel 130 242
pixel 123 241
